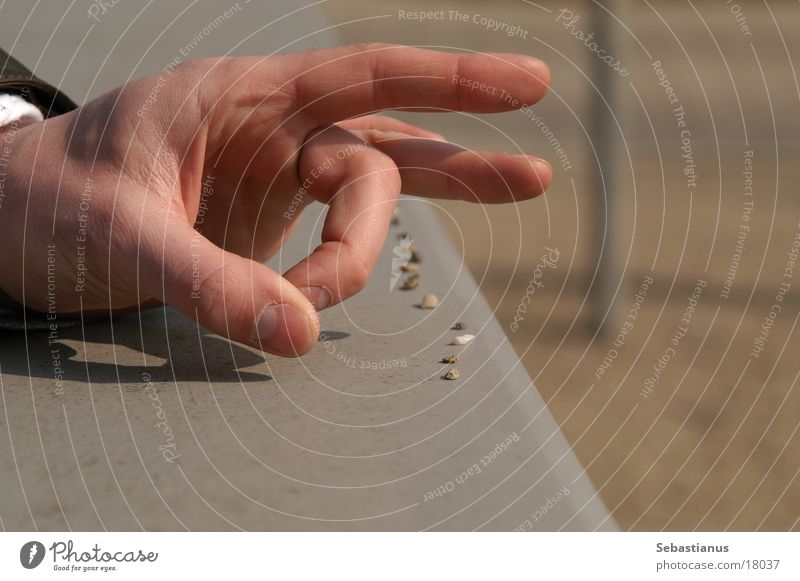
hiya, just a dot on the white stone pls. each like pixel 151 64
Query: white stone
pixel 430 301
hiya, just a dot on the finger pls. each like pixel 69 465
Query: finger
pixel 361 186
pixel 331 85
pixel 443 170
pixel 340 83
pixel 386 124
pixel 229 295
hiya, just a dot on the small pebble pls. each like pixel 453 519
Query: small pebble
pixel 416 257
pixel 430 301
pixel 411 282
pixel 463 339
pixel 459 326
pixel 450 359
pixel 452 374
pixel 410 267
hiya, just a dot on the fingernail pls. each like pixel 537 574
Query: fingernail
pixel 318 296
pixel 543 165
pixel 284 330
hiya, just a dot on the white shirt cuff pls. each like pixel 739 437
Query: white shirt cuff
pixel 16 110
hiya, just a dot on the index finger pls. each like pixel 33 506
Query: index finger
pixel 336 84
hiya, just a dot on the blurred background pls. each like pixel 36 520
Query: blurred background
pixel 707 439
pixel 663 336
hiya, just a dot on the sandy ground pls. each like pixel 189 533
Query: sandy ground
pixel 707 439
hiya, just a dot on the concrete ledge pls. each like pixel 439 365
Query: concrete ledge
pixel 160 425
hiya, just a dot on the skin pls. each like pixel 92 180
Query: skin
pixel 257 129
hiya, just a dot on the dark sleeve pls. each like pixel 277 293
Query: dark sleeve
pixel 17 80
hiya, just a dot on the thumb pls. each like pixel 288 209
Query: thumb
pixel 226 293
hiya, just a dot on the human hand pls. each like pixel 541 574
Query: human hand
pixel 100 206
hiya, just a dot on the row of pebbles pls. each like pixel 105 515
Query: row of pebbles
pixel 431 301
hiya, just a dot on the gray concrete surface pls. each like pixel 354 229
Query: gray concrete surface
pixel 354 436
pixel 155 424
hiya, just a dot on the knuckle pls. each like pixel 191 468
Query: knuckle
pixel 358 275
pixel 353 272
pixel 366 158
pixel 197 67
pixel 382 167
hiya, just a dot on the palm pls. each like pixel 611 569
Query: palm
pixel 245 196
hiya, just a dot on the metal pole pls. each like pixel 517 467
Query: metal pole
pixel 605 182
